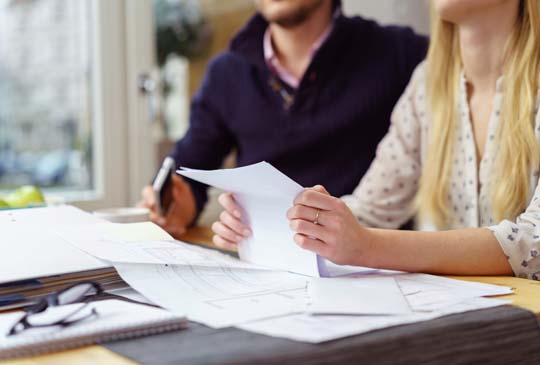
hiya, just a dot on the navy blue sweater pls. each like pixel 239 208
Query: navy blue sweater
pixel 329 133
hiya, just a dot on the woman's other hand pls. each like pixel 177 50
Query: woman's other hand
pixel 229 230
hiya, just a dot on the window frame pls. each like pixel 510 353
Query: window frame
pixel 124 153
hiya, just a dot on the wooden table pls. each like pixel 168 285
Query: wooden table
pixel 526 295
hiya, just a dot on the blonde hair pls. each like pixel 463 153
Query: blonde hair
pixel 517 148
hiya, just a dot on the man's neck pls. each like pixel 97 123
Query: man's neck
pixel 293 45
pixel 482 44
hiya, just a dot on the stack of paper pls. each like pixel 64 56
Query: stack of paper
pixel 24 292
pixel 320 328
pixel 222 292
pixel 35 261
pixel 219 290
pixel 276 288
pixel 211 287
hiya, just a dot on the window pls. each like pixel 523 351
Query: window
pixel 45 88
pixel 70 113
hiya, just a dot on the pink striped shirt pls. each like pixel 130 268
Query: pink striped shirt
pixel 272 61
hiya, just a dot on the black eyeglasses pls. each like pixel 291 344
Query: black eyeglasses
pixel 70 295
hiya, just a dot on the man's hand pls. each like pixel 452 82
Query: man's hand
pixel 181 211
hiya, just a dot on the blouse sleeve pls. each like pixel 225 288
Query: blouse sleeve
pixel 520 240
pixel 384 196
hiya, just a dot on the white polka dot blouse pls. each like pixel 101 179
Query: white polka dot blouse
pixel 385 194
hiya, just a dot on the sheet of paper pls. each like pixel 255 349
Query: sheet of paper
pixel 47 217
pixel 134 232
pixel 31 249
pixel 356 295
pixel 321 328
pixel 429 292
pixel 131 294
pixel 97 242
pixel 265 194
pixel 330 270
pixel 218 297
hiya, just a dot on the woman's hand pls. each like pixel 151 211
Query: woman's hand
pixel 326 226
pixel 229 230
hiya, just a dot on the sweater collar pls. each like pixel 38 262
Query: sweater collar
pixel 248 43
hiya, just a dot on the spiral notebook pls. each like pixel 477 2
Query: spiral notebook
pixel 114 320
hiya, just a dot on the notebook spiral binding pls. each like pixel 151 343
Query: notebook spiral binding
pixel 113 334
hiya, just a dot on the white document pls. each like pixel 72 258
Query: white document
pixel 429 292
pixel 131 294
pixel 30 248
pixel 330 270
pixel 218 297
pixel 265 194
pixel 357 295
pixel 98 241
pixel 321 328
pixel 133 232
pixel 429 297
pixel 46 217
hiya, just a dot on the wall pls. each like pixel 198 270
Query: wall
pixel 413 13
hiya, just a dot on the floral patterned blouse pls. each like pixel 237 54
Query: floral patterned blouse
pixel 384 196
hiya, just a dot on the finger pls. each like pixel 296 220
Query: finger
pixel 157 219
pixel 179 184
pixel 173 212
pixel 234 224
pixel 178 180
pixel 179 188
pixel 175 230
pixel 175 220
pixel 320 189
pixel 315 199
pixel 148 198
pixel 227 201
pixel 225 232
pixel 311 244
pixel 306 213
pixel 223 243
pixel 310 229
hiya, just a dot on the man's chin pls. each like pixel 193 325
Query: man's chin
pixel 290 15
pixel 287 20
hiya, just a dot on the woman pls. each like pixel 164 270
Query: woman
pixel 462 153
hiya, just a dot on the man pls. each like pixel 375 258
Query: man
pixel 301 87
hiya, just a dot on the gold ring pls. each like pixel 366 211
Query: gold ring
pixel 316 221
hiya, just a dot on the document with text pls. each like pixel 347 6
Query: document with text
pixel 265 194
pixel 218 297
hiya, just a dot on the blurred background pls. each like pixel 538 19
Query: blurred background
pixel 93 93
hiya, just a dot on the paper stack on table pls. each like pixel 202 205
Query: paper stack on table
pixel 276 289
pixel 219 290
pixel 34 261
pixel 288 305
pixel 320 328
